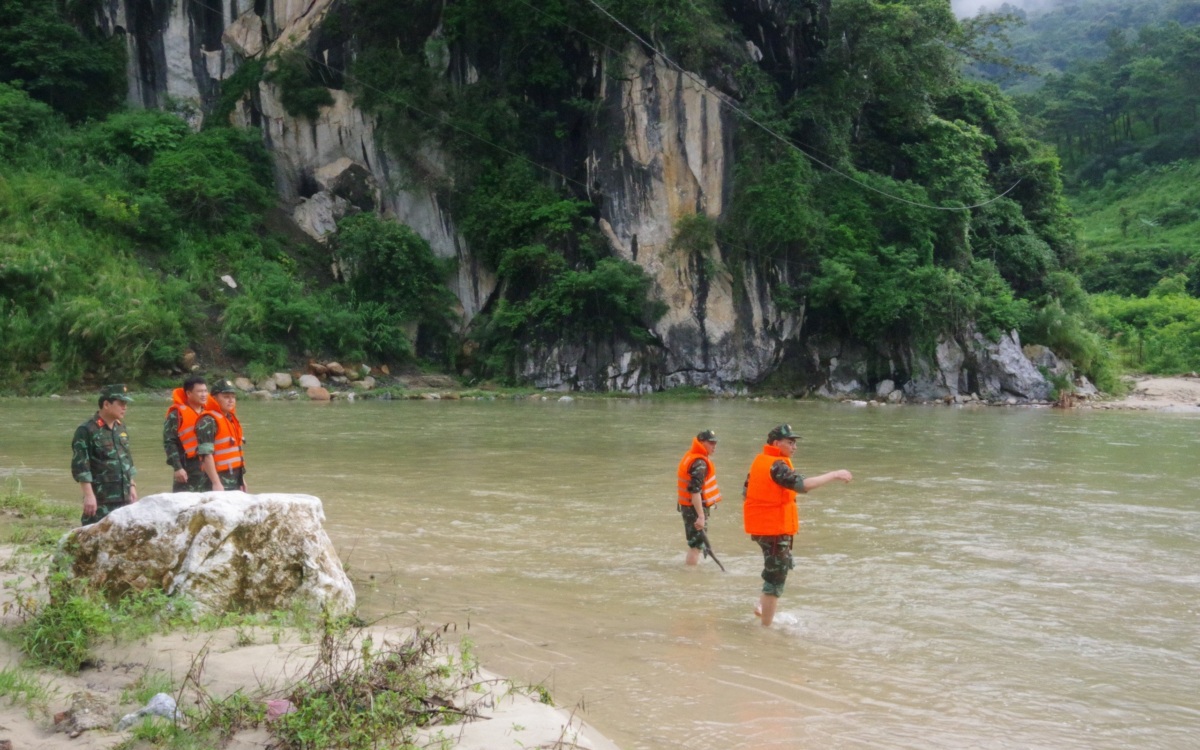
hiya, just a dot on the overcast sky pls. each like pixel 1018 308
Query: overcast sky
pixel 963 8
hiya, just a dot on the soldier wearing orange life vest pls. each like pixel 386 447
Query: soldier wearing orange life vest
pixel 769 511
pixel 696 481
pixel 188 435
pixel 227 445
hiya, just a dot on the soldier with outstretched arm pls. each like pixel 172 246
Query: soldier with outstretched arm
pixel 770 514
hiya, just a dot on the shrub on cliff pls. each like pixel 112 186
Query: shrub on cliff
pixel 79 74
pixel 393 278
pixel 20 118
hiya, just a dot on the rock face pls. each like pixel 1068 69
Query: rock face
pixel 659 153
pixel 226 551
pixel 973 364
pixel 673 162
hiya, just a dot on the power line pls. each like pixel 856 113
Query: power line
pixel 444 120
pixel 779 137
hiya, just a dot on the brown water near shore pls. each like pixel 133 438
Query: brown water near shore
pixel 993 577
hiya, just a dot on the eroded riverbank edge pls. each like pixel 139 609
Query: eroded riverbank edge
pixel 260 662
pixel 1145 393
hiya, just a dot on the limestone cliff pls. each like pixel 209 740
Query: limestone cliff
pixel 662 150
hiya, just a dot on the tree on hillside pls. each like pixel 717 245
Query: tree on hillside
pixel 81 75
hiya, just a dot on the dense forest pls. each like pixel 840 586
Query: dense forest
pixel 1115 87
pixel 890 192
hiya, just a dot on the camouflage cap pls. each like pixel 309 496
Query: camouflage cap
pixel 782 432
pixel 115 392
pixel 222 386
pixel 708 436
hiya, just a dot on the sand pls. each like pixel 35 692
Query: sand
pixel 1155 393
pixel 262 663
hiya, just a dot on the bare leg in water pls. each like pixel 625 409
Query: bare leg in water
pixel 766 609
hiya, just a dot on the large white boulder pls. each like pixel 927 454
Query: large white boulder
pixel 226 551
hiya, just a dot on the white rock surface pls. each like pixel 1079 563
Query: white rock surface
pixel 227 551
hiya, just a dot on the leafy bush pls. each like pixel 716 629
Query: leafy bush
pixel 20 118
pixel 394 278
pixel 218 178
pixel 81 74
pixel 1155 334
pixel 610 301
pixel 140 135
pixel 389 263
pixel 509 207
pixel 243 81
pixel 271 314
pixel 91 310
pixel 301 89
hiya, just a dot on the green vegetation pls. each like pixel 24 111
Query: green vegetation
pixel 932 210
pixel 395 280
pixel 23 687
pixel 31 520
pixel 357 694
pixel 53 52
pixel 1159 333
pixel 373 696
pixel 1056 36
pixel 1142 229
pixel 303 92
pixel 114 235
pixel 1123 107
pixel 61 632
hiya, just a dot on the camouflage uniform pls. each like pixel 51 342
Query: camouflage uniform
pixel 777 548
pixel 206 432
pixel 231 479
pixel 698 472
pixel 100 456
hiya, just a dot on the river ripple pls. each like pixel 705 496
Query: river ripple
pixel 994 578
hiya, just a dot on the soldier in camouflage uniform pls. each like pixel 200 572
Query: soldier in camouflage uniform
pixel 770 514
pixel 197 472
pixel 100 457
pixel 229 456
pixel 696 480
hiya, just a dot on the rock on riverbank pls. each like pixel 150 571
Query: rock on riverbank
pixel 81 711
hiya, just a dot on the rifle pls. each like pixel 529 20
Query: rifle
pixel 708 550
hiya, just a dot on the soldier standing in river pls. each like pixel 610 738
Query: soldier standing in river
pixel 696 480
pixel 227 446
pixel 770 514
pixel 188 435
pixel 100 457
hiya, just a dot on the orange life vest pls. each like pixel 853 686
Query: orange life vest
pixel 710 494
pixel 770 508
pixel 229 441
pixel 187 422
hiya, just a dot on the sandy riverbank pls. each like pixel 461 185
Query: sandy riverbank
pixel 261 662
pixel 1157 393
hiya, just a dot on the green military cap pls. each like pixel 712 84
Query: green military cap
pixel 116 391
pixel 708 436
pixel 222 386
pixel 782 432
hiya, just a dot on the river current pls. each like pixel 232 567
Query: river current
pixel 993 578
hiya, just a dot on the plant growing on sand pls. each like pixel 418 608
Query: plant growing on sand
pixel 360 694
